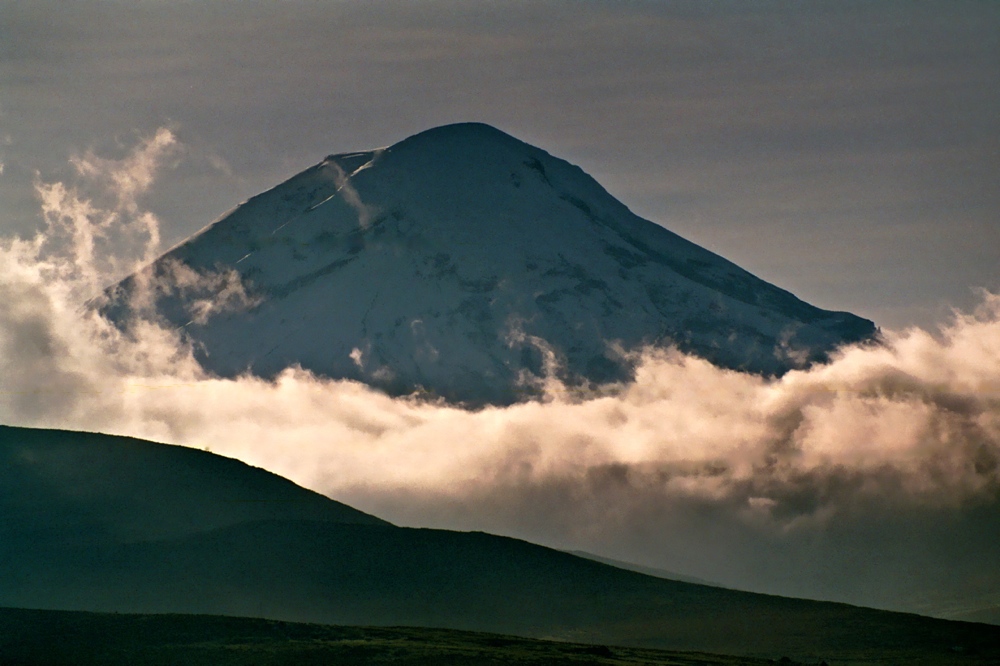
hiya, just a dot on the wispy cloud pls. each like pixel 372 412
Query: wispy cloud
pixel 95 228
pixel 132 176
pixel 346 189
pixel 777 483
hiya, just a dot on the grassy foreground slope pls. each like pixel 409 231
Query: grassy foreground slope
pixel 81 487
pixel 97 523
pixel 81 639
pixel 57 638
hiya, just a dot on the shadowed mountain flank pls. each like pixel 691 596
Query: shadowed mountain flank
pixel 465 263
pixel 72 487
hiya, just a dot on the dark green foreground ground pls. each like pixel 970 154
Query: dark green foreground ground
pixel 61 637
pixel 80 638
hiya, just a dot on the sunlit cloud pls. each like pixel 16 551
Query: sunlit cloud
pixel 346 189
pixel 132 176
pixel 697 462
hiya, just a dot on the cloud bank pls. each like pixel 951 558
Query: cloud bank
pixel 874 478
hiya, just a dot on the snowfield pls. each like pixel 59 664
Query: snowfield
pixel 464 263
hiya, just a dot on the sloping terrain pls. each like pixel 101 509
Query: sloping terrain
pixel 453 262
pixel 88 487
pixel 639 568
pixel 267 548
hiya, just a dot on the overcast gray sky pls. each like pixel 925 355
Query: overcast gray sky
pixel 846 151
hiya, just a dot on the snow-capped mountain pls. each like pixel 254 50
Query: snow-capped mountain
pixel 453 261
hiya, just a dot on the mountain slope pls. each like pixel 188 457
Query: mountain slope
pixel 102 548
pixel 639 568
pixel 73 487
pixel 444 261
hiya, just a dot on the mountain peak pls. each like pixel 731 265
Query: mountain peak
pixel 460 136
pixel 461 131
pixel 462 261
pixel 473 158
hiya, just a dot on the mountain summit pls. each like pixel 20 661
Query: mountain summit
pixel 464 262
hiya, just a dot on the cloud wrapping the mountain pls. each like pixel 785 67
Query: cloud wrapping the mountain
pixel 798 483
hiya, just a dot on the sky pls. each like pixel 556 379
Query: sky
pixel 846 151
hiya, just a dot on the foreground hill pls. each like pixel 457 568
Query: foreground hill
pixel 100 523
pixel 439 263
pixel 76 487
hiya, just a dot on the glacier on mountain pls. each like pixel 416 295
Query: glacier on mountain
pixel 466 264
